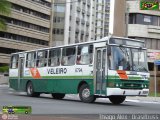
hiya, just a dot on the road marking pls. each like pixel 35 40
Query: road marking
pixel 132 100
pixel 139 101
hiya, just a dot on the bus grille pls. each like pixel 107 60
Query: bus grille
pixel 131 86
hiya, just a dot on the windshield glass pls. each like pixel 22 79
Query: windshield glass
pixel 129 59
pixel 139 61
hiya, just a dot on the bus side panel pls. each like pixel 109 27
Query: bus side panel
pixel 13 78
pixel 39 85
pixel 13 83
pixel 70 86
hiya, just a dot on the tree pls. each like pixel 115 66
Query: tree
pixel 4 69
pixel 5 10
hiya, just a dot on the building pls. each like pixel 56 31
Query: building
pixel 100 19
pixel 85 20
pixel 108 18
pixel 145 25
pixel 72 21
pixel 27 28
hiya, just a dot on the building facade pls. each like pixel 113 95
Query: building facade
pixel 108 18
pixel 85 20
pixel 72 21
pixel 27 27
pixel 100 19
pixel 145 25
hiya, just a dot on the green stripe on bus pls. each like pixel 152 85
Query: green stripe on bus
pixel 75 77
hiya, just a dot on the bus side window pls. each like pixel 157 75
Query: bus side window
pixel 41 58
pixel 68 56
pixel 85 54
pixel 14 61
pixel 30 61
pixel 54 57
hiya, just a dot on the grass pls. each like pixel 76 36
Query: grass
pixel 152 94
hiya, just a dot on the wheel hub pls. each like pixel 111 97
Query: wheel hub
pixel 86 93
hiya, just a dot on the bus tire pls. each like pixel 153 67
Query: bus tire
pixel 84 94
pixel 117 99
pixel 58 95
pixel 30 90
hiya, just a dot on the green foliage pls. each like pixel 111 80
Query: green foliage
pixel 152 94
pixel 2 24
pixel 5 9
pixel 4 69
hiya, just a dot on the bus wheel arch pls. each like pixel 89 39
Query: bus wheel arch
pixel 117 99
pixel 85 94
pixel 80 84
pixel 30 90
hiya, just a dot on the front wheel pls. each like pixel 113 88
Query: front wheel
pixel 58 95
pixel 30 90
pixel 85 95
pixel 117 99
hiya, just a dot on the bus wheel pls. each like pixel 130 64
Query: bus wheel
pixel 117 99
pixel 30 90
pixel 58 95
pixel 84 94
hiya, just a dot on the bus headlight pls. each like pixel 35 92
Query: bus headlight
pixel 142 85
pixel 145 86
pixel 117 85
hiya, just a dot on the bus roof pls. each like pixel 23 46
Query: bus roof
pixel 96 41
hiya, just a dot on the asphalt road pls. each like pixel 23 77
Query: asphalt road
pixel 72 105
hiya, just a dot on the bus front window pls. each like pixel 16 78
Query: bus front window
pixel 121 58
pixel 129 59
pixel 139 61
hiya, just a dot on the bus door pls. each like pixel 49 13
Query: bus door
pixel 20 71
pixel 100 63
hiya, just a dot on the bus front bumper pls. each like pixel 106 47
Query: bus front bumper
pixel 127 92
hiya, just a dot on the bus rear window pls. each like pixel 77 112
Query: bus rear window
pixel 14 61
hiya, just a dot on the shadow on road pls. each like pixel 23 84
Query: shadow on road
pixel 97 102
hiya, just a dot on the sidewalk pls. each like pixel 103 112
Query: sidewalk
pixel 144 99
pixel 3 79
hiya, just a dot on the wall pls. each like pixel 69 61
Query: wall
pixel 3 79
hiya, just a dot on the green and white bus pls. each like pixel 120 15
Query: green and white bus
pixel 112 67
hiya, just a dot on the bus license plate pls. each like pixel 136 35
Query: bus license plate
pixel 145 92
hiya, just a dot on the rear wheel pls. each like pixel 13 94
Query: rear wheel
pixel 117 99
pixel 30 90
pixel 58 95
pixel 85 94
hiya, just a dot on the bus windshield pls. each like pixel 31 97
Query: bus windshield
pixel 129 59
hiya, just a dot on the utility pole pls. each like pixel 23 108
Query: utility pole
pixel 51 24
pixel 127 17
